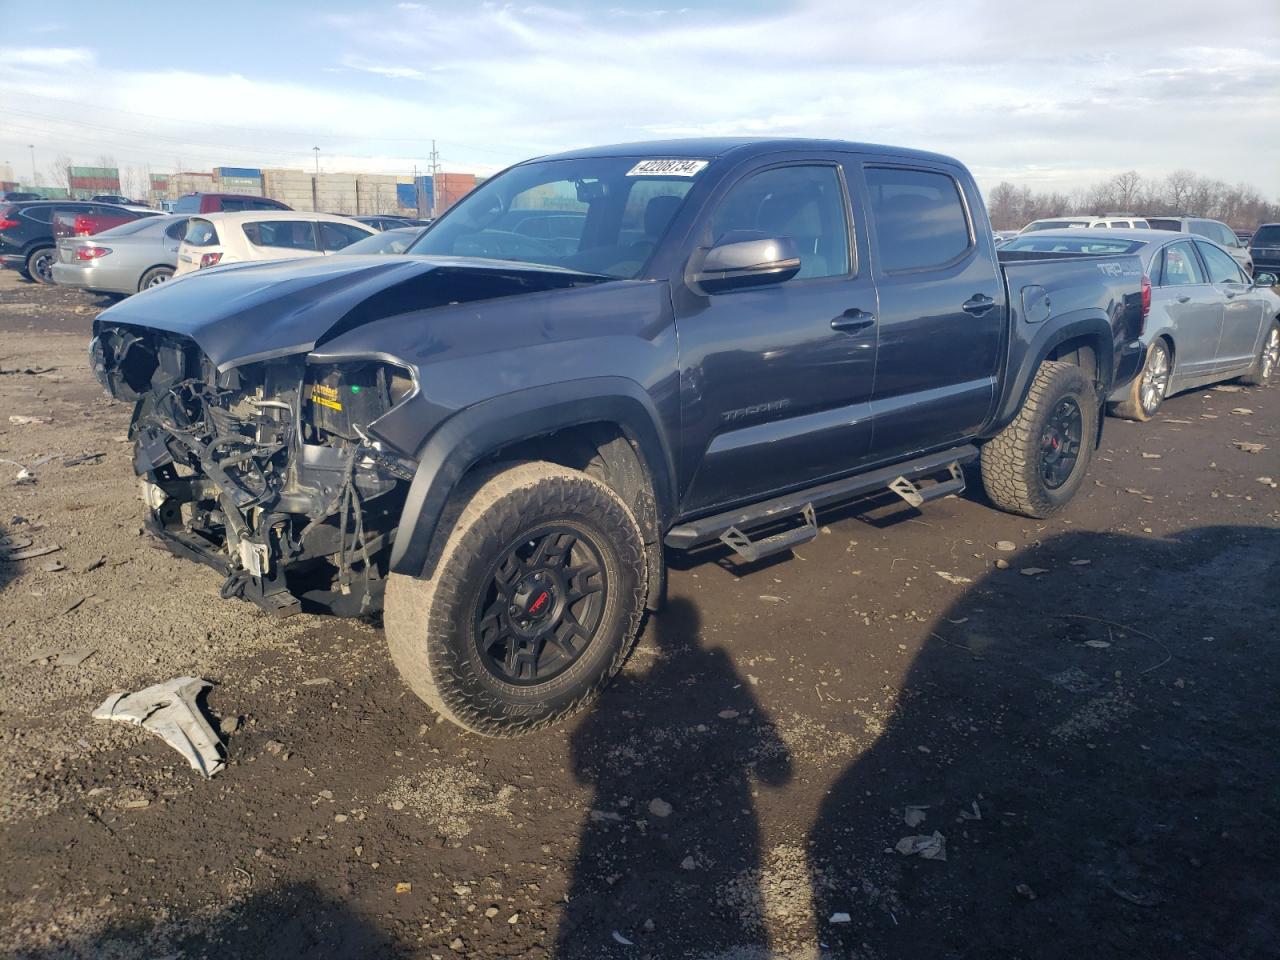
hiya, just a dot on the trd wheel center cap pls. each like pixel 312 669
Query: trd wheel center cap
pixel 535 600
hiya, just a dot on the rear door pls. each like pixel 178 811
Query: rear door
pixel 280 239
pixel 1241 312
pixel 942 314
pixel 775 381
pixel 1181 289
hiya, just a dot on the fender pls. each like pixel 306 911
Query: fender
pixel 1032 345
pixel 472 434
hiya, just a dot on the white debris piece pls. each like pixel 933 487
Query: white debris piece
pixel 929 847
pixel 839 918
pixel 169 710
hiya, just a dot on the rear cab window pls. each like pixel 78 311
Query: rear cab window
pixel 290 234
pixel 919 219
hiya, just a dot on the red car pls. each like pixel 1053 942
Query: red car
pixel 88 219
pixel 225 203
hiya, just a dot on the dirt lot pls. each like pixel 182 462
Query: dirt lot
pixel 1095 741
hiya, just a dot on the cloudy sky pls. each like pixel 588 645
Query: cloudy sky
pixel 1049 94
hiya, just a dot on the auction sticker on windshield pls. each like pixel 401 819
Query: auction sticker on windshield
pixel 667 168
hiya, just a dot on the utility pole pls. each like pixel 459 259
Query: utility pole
pixel 435 169
pixel 34 178
pixel 317 150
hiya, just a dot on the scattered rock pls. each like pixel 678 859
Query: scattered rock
pixel 513 919
pixel 1150 456
pixel 1025 891
pixel 1032 571
pixel 1002 564
pixel 1242 411
pixel 463 890
pixel 952 578
pixel 727 714
pixel 619 938
pixel 20 420
pixel 840 918
pixel 1006 546
pixel 491 912
pixel 688 863
pixel 404 886
pixel 770 599
pixel 1267 481
pixel 601 815
pixel 913 816
pixel 1080 563
pixel 1097 644
pixel 456 944
pixel 1248 447
pixel 659 807
pixel 229 725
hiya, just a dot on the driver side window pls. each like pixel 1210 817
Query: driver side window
pixel 805 203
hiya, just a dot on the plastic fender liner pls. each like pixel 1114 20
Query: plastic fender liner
pixel 1025 358
pixel 472 434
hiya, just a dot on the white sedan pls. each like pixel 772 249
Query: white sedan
pixel 217 238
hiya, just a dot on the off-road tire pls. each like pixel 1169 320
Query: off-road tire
pixel 1011 460
pixel 1131 407
pixel 37 256
pixel 153 277
pixel 430 623
pixel 1264 366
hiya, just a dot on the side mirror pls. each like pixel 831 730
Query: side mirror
pixel 744 259
pixel 1265 280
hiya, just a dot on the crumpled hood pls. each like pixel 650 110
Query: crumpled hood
pixel 247 312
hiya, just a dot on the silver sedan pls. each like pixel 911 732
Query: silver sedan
pixel 125 259
pixel 1209 321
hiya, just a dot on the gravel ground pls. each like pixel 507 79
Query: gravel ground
pixel 1090 746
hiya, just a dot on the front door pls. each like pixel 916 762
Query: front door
pixel 942 308
pixel 775 381
pixel 1241 312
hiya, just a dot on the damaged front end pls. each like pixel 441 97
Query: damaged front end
pixel 270 472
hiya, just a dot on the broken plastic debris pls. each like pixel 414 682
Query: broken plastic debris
pixel 1006 546
pixel 1248 447
pixel 952 577
pixel 619 938
pixel 839 918
pixel 913 816
pixel 932 847
pixel 169 710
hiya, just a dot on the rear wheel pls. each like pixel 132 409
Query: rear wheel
pixel 40 264
pixel 154 277
pixel 1268 358
pixel 1035 465
pixel 1148 389
pixel 535 600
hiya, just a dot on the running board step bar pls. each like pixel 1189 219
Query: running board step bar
pixel 753 550
pixel 918 496
pixel 706 530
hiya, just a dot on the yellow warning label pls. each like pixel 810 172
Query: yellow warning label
pixel 325 396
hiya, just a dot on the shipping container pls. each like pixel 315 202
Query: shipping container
pixel 112 172
pixel 252 173
pixel 406 196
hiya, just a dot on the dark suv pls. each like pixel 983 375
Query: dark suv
pixel 225 203
pixel 27 241
pixel 1264 248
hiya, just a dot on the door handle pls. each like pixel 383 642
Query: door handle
pixel 853 320
pixel 1231 294
pixel 1184 299
pixel 978 304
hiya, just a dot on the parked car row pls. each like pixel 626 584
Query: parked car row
pixel 30 229
pixel 1234 242
pixel 1209 321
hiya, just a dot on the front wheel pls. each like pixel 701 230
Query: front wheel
pixel 1035 465
pixel 534 603
pixel 1268 358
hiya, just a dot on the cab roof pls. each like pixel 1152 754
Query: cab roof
pixel 714 148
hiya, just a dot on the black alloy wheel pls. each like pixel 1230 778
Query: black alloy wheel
pixel 543 605
pixel 1060 443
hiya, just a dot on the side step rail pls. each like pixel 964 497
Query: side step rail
pixel 753 550
pixel 918 496
pixel 728 527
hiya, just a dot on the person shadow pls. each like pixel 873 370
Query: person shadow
pixel 1095 745
pixel 669 857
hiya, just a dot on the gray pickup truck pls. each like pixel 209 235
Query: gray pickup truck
pixel 594 358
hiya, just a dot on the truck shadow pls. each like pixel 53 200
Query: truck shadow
pixel 291 921
pixel 1095 748
pixel 670 851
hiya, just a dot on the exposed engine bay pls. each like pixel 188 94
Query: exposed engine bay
pixel 265 471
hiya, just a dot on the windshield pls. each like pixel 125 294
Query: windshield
pixel 1058 244
pixel 601 215
pixel 389 241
